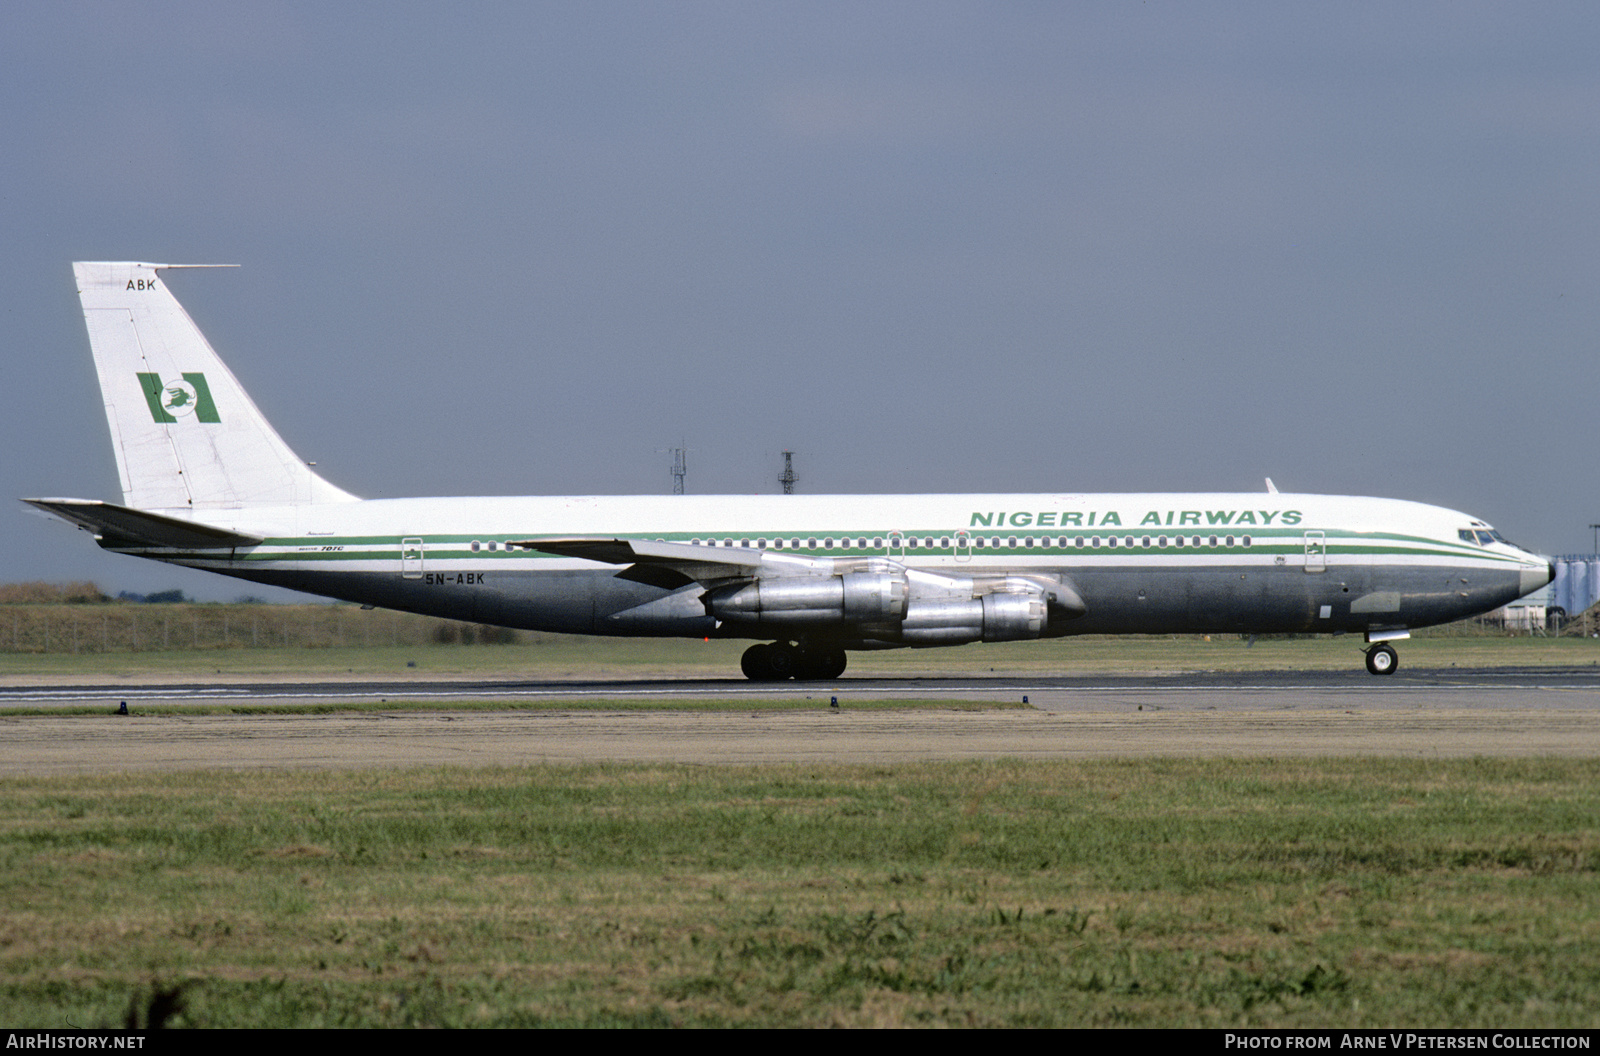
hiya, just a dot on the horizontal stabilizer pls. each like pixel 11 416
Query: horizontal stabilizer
pixel 112 523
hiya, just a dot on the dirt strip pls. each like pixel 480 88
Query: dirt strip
pixel 54 745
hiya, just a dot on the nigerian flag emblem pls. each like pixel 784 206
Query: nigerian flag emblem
pixel 171 400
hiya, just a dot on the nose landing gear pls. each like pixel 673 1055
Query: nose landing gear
pixel 1382 659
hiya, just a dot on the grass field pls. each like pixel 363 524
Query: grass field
pixel 1155 893
pixel 159 642
pixel 1200 892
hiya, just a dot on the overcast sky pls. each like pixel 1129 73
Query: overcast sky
pixel 526 248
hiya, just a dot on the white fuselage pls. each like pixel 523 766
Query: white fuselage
pixel 1142 562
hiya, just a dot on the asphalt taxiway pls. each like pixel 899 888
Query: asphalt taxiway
pixel 1442 712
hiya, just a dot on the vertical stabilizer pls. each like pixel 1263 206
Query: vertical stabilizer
pixel 186 435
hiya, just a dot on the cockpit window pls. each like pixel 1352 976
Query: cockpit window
pixel 1465 535
pixel 1487 537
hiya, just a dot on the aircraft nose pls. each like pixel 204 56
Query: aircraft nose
pixel 1536 576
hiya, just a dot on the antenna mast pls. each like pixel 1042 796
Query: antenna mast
pixel 788 478
pixel 679 468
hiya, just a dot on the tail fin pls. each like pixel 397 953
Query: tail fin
pixel 186 434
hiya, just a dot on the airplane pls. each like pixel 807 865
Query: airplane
pixel 208 483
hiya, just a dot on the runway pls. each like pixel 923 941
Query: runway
pixel 1576 686
pixel 1440 713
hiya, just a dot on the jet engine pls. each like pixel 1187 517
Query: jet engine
pixel 901 607
pixel 990 618
pixel 796 601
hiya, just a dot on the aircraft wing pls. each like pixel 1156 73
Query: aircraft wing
pixel 678 564
pixel 631 551
pixel 123 524
pixel 674 565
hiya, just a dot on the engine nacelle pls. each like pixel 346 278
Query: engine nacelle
pixel 991 618
pixel 901 607
pixel 793 601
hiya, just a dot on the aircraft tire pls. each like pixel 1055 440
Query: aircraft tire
pixel 757 665
pixel 770 663
pixel 1382 660
pixel 821 665
pixel 783 659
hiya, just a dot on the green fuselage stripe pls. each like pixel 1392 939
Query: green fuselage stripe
pixel 910 544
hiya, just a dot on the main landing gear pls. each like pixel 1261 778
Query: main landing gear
pixel 1382 659
pixel 780 661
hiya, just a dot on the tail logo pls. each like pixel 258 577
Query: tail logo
pixel 172 400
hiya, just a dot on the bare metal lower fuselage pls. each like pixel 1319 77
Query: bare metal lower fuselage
pixel 1199 599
